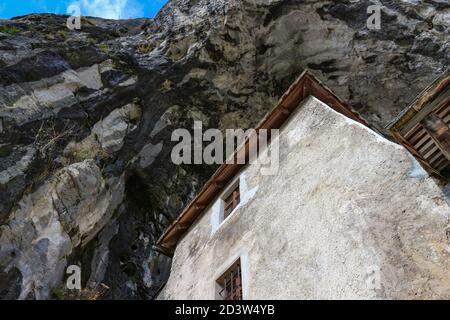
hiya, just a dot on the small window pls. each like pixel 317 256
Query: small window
pixel 229 285
pixel 231 201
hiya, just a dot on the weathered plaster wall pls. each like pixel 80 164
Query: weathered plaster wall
pixel 349 215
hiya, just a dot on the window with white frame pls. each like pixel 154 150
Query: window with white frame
pixel 231 200
pixel 229 284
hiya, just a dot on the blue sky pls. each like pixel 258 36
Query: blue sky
pixel 112 9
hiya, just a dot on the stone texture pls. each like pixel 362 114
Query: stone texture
pixel 107 135
pixel 15 167
pixel 224 62
pixel 49 223
pixel 18 168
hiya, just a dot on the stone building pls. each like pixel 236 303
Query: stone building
pixel 349 214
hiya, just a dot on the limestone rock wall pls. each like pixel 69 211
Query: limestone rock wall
pixel 222 62
pixel 64 213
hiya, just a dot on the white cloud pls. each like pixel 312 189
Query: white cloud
pixel 111 9
pixel 133 9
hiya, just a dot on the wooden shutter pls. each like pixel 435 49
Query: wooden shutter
pixel 231 202
pixel 232 283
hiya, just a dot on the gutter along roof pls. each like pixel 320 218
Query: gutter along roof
pixel 306 85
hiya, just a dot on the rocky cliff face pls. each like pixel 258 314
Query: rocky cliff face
pixel 86 116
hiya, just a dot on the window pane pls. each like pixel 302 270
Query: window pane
pixel 231 281
pixel 231 201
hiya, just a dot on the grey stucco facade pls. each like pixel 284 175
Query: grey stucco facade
pixel 348 214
